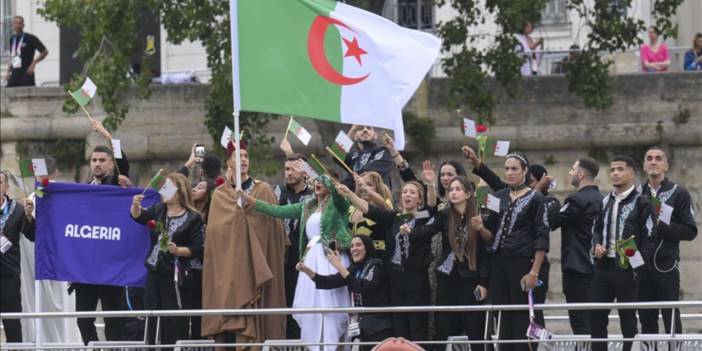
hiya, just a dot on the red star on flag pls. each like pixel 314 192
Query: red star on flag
pixel 352 49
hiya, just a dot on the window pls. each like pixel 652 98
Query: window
pixel 416 14
pixel 555 12
pixel 6 28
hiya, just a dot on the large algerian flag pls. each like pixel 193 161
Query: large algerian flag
pixel 327 60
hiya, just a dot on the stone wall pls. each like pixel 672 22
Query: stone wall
pixel 551 125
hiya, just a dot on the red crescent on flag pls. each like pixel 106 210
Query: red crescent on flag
pixel 315 50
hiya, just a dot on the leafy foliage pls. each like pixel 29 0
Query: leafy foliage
pixel 470 68
pixel 107 44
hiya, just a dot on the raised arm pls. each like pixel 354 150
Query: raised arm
pixel 482 171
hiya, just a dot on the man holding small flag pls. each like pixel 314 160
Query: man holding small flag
pixel 102 172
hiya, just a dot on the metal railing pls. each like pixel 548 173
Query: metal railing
pixel 285 311
pixel 552 61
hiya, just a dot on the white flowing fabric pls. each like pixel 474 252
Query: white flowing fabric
pixel 54 298
pixel 307 295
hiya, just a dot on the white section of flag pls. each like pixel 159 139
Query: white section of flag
pixel 344 142
pixel 117 148
pixel 666 213
pixel 493 203
pixel 397 61
pixel 501 148
pixel 226 136
pixel 39 166
pixel 469 128
pixel 168 189
pixel 89 88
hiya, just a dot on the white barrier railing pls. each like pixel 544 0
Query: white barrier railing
pixel 285 311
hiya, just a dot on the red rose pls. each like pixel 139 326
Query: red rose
pixel 481 128
pixel 45 182
pixel 629 252
pixel 151 224
pixel 219 181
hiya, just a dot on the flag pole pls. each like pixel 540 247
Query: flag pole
pixel 87 113
pixel 288 128
pixel 343 164
pixel 320 164
pixel 237 153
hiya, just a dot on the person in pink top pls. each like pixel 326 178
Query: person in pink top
pixel 654 55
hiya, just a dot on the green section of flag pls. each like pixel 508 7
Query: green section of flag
pixel 80 97
pixel 317 166
pixel 275 73
pixel 656 202
pixel 26 168
pixel 481 194
pixel 338 151
pixel 157 181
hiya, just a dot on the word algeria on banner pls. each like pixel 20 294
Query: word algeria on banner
pixel 326 60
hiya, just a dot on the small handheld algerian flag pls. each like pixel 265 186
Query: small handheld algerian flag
pixel 327 60
pixel 469 128
pixel 299 131
pixel 168 189
pixel 309 170
pixel 85 93
pixel 342 145
pixel 501 148
pixel 317 166
pixel 481 194
pixel 666 213
pixel 157 181
pixel 33 167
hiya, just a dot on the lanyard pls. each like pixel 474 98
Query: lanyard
pixel 17 45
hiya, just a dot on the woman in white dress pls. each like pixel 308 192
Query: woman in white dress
pixel 325 219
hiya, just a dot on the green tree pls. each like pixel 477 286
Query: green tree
pixel 470 69
pixel 107 43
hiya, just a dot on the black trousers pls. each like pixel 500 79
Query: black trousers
pixel 657 286
pixel 505 276
pixel 20 78
pixel 410 288
pixel 11 301
pixel 160 294
pixel 292 330
pixel 576 287
pixel 541 291
pixel 613 283
pixel 192 299
pixel 453 290
pixel 111 298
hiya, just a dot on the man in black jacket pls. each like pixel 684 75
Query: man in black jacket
pixel 660 279
pixel 366 156
pixel 111 298
pixel 625 213
pixel 13 221
pixel 576 218
pixel 293 191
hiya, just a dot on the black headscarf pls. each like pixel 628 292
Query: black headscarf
pixel 370 252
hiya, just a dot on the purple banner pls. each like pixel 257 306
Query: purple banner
pixel 85 234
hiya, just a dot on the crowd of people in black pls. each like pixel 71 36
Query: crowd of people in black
pixel 352 243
